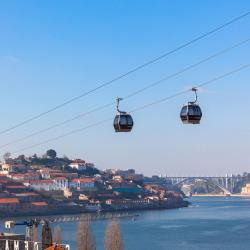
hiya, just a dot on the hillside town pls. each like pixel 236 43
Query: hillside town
pixel 58 185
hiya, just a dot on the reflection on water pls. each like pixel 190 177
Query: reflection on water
pixel 209 223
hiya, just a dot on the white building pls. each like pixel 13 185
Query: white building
pixel 59 183
pixel 82 184
pixel 78 164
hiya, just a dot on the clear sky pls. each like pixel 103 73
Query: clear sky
pixel 51 51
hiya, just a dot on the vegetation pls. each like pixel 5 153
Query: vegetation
pixel 57 236
pixel 51 153
pixel 85 238
pixel 46 235
pixel 113 237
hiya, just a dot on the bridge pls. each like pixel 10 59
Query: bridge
pixel 226 183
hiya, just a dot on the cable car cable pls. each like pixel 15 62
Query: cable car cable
pixel 128 72
pixel 129 95
pixel 137 109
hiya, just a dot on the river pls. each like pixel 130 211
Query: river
pixel 209 223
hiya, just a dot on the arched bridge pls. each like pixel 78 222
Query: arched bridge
pixel 225 183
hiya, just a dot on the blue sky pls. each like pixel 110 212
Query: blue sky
pixel 51 51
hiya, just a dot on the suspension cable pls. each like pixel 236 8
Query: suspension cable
pixel 129 95
pixel 137 109
pixel 128 72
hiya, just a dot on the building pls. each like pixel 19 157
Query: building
pixel 117 178
pixel 47 173
pixel 78 164
pixel 187 189
pixel 83 184
pixel 8 204
pixel 125 188
pixel 24 177
pixel 41 185
pixel 7 168
pixel 246 189
pixel 59 183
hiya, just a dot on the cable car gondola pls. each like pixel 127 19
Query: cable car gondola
pixel 123 121
pixel 191 112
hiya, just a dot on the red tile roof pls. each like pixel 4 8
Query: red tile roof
pixel 40 203
pixel 84 180
pixel 8 200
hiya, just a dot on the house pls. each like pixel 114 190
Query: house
pixel 8 168
pixel 47 173
pixel 246 189
pixel 61 183
pixel 67 193
pixel 117 178
pixel 82 184
pixel 125 188
pixel 78 164
pixel 9 204
pixel 24 177
pixel 41 185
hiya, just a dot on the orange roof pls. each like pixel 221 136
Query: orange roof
pixel 40 203
pixel 83 180
pixel 8 200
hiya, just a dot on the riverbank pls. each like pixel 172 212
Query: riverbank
pixel 220 195
pixel 126 206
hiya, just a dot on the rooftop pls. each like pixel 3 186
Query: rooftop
pixel 8 200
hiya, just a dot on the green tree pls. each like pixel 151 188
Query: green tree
pixel 51 153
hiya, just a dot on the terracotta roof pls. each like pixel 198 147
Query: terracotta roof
pixel 40 203
pixel 8 200
pixel 83 180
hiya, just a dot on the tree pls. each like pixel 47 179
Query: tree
pixel 85 238
pixel 35 233
pixel 57 236
pixel 113 237
pixel 22 158
pixel 51 153
pixel 46 236
pixel 6 156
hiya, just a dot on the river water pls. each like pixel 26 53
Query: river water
pixel 210 223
